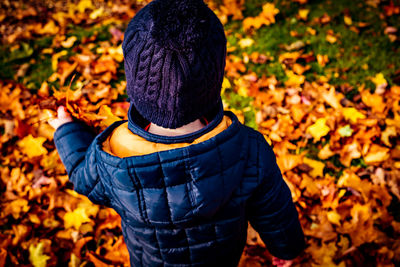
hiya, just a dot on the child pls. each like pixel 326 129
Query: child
pixel 185 176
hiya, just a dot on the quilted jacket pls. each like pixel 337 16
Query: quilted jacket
pixel 187 206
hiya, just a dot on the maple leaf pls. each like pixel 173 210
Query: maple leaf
pixel 83 5
pixel 317 167
pixel 36 256
pixel 374 101
pixel 233 7
pixel 345 131
pixel 352 114
pixel 288 162
pixel 318 129
pixel 294 80
pixel 332 98
pixel 32 146
pixel 107 116
pixel 310 186
pixel 266 17
pixel 76 218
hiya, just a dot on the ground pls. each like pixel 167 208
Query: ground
pixel 320 80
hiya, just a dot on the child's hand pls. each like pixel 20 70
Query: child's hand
pixel 62 118
pixel 281 263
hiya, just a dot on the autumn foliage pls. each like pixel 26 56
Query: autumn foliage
pixel 308 77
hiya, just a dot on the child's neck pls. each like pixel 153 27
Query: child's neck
pixel 186 129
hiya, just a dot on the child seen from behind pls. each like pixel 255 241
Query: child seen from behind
pixel 185 176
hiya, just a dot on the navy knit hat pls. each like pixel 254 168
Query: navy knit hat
pixel 174 54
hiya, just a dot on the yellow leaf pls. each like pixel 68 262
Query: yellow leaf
pixel 347 20
pixel 69 42
pixel 76 218
pixel 242 91
pixel 225 85
pixel 294 80
pixel 322 60
pixel 83 5
pixel 49 28
pixel 116 53
pixel 55 57
pixel 311 31
pixel 108 117
pixel 352 114
pixel 318 129
pixel 36 256
pixel 333 217
pixel 246 42
pixel 377 154
pixel 32 146
pixel 317 167
pixel 379 80
pixel 387 133
pixel 303 13
pixel 96 13
pixel 331 39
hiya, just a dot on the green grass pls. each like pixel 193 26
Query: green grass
pixel 355 57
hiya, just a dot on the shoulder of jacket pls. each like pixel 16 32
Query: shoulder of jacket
pixel 255 135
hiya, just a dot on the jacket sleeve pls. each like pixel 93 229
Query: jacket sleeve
pixel 271 210
pixel 73 141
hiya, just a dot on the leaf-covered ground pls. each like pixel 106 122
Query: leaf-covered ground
pixel 320 79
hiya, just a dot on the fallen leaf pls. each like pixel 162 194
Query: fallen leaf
pixel 107 116
pixel 266 17
pixel 75 218
pixel 32 146
pixel 376 153
pixel 318 129
pixel 36 256
pixel 352 114
pixel 69 42
pixel 345 131
pixel 303 13
pixel 347 20
pixel 246 42
pixel 317 167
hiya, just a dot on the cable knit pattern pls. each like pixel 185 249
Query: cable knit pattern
pixel 174 54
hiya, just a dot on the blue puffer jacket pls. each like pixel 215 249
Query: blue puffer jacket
pixel 188 206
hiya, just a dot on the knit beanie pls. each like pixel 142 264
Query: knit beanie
pixel 174 54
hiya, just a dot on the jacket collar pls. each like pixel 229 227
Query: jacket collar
pixel 135 128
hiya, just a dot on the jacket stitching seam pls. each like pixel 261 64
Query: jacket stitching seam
pixel 164 188
pixel 189 187
pixel 158 246
pixel 136 184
